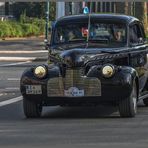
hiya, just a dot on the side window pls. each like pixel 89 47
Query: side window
pixel 142 31
pixel 135 35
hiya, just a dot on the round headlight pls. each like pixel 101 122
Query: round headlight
pixel 40 71
pixel 108 71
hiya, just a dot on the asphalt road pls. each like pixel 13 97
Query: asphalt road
pixel 69 127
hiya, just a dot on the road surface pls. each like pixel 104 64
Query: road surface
pixel 69 127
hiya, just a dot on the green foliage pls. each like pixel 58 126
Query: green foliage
pixel 52 11
pixel 24 28
pixel 4 29
pixel 30 18
pixel 27 23
pixel 23 17
pixel 30 29
pixel 15 29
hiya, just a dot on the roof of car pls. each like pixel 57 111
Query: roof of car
pixel 111 17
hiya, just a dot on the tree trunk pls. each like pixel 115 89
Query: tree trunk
pixel 141 13
pixel 126 8
pixel 145 16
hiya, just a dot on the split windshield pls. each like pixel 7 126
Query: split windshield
pixel 106 34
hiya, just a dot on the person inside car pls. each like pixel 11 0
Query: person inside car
pixel 118 36
pixel 71 35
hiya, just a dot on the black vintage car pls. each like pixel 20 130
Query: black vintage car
pixel 93 59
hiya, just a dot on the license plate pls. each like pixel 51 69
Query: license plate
pixel 74 92
pixel 33 89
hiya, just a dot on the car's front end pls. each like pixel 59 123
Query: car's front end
pixel 79 80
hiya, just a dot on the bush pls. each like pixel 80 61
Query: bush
pixel 30 29
pixel 15 29
pixel 24 28
pixel 40 23
pixel 5 29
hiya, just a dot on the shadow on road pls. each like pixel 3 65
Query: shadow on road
pixel 15 112
pixel 80 112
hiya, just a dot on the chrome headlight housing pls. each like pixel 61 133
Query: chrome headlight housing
pixel 108 71
pixel 40 71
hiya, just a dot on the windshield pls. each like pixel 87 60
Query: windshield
pixel 103 34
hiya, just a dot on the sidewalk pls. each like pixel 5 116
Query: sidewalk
pixel 29 49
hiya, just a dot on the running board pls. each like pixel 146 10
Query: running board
pixel 143 97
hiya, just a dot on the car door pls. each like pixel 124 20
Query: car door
pixel 138 52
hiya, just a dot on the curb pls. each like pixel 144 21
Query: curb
pixel 21 38
pixel 22 52
pixel 22 59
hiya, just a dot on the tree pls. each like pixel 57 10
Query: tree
pixel 33 9
pixel 141 12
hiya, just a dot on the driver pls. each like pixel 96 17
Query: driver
pixel 71 35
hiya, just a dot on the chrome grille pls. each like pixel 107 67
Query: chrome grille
pixel 55 87
pixel 74 78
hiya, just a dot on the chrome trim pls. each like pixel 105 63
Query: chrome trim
pixel 74 78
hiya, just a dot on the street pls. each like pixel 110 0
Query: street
pixel 66 127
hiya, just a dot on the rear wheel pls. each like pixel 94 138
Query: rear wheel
pixel 32 109
pixel 128 106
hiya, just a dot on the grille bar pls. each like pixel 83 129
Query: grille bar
pixel 74 78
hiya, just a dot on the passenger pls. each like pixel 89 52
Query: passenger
pixel 118 36
pixel 71 36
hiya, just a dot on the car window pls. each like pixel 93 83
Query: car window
pixel 135 34
pixel 109 34
pixel 69 33
pixel 142 31
pixel 112 32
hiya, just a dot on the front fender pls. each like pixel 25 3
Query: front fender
pixel 120 83
pixel 28 78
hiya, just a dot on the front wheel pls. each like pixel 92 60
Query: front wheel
pixel 128 106
pixel 31 109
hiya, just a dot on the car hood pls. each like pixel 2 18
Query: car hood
pixel 79 55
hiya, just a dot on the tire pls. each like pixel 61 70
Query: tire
pixel 145 101
pixel 128 106
pixel 31 109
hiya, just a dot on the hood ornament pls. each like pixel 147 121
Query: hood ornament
pixel 68 61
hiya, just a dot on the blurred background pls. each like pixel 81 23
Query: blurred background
pixel 29 18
